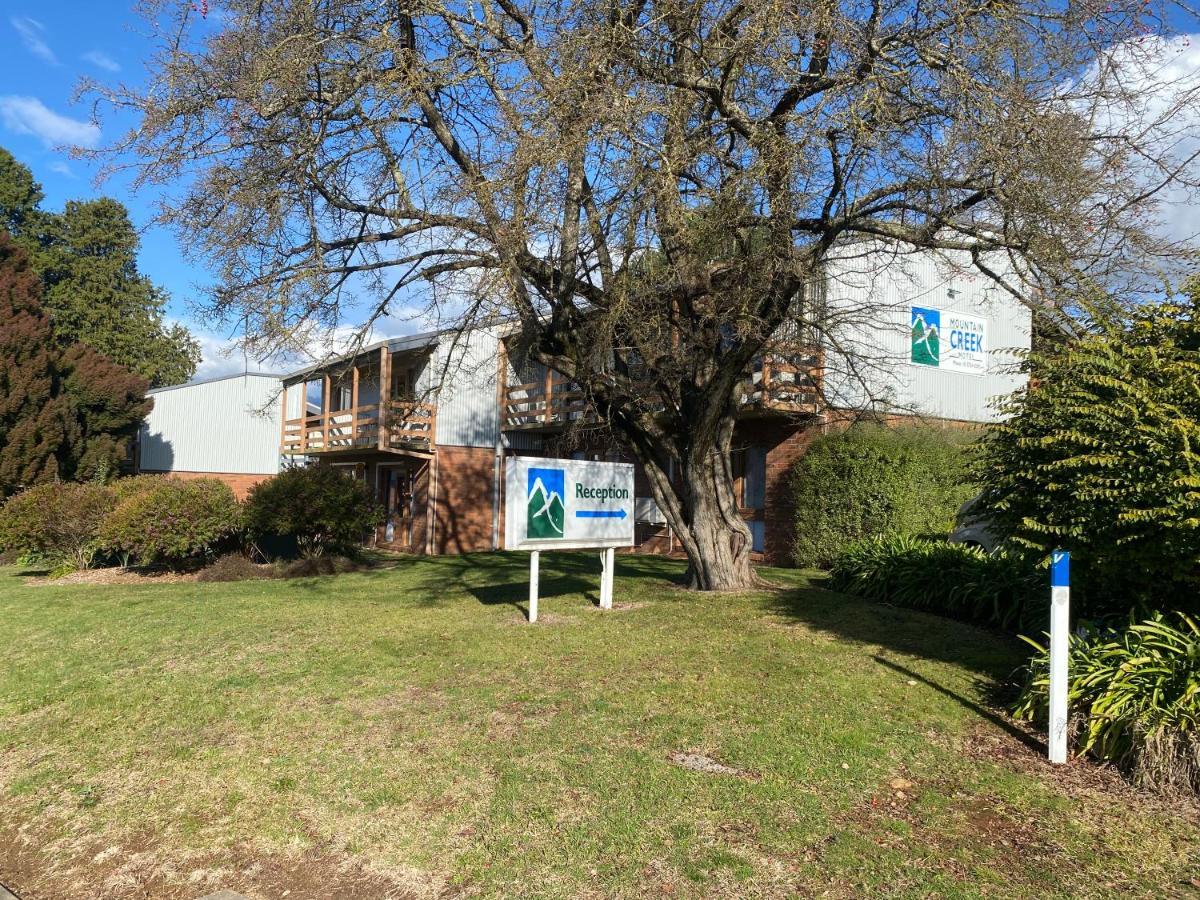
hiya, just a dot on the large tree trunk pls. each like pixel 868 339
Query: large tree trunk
pixel 701 509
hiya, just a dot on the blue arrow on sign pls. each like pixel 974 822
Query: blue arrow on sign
pixel 600 513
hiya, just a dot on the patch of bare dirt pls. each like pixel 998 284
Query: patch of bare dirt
pixel 136 870
pixel 1080 777
pixel 699 762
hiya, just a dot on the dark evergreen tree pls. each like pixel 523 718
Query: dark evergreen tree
pixel 86 257
pixel 66 411
pixel 20 199
pixel 32 415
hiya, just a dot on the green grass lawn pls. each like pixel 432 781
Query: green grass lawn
pixel 405 729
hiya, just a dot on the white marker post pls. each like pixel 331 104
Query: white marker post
pixel 1060 605
pixel 608 562
pixel 534 558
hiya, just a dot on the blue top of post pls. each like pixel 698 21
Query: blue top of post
pixel 1060 569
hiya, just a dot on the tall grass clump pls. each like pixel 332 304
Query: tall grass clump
pixel 1134 696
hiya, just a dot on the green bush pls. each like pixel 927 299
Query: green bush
pixel 949 579
pixel 58 522
pixel 1100 455
pixel 871 481
pixel 318 506
pixel 124 488
pixel 172 521
pixel 1134 696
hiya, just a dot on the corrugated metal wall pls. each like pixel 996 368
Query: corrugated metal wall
pixel 870 293
pixel 230 425
pixel 463 375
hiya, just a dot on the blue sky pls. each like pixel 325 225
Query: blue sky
pixel 45 48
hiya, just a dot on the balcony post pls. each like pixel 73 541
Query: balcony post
pixel 354 404
pixel 326 411
pixel 283 420
pixel 385 395
pixel 548 392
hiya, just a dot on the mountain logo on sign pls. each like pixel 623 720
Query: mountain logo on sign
pixel 547 516
pixel 926 336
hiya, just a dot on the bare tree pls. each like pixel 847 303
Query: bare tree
pixel 648 187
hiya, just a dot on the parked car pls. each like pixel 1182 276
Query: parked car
pixel 972 527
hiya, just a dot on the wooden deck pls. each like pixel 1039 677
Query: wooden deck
pixel 784 383
pixel 397 425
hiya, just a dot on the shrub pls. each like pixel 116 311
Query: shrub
pixel 318 565
pixel 872 481
pixel 949 579
pixel 173 520
pixel 124 488
pixel 234 567
pixel 318 506
pixel 1134 697
pixel 58 522
pixel 1100 455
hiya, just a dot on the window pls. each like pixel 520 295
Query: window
pixel 754 477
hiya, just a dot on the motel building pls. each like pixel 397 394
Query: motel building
pixel 428 420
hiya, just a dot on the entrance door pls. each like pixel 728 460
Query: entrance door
pixel 397 504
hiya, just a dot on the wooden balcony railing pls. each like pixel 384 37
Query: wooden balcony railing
pixel 786 382
pixel 406 425
pixel 553 402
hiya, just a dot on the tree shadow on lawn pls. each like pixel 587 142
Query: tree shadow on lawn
pixel 502 578
pixel 992 655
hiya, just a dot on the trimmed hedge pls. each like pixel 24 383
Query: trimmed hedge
pixel 949 579
pixel 1134 697
pixel 58 522
pixel 871 481
pixel 173 520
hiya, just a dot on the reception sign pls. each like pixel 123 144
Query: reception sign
pixel 564 504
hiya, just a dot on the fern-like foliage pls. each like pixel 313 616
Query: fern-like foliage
pixel 1101 454
pixel 1134 695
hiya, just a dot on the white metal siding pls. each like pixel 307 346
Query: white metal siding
pixel 869 296
pixel 231 425
pixel 463 376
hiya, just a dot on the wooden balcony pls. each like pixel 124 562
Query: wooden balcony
pixel 782 383
pixel 545 405
pixel 404 425
pixel 786 383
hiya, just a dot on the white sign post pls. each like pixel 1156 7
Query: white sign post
pixel 1060 604
pixel 568 504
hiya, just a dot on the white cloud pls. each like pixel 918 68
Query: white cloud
pixel 29 115
pixel 102 60
pixel 32 33
pixel 220 355
pixel 61 168
pixel 1147 94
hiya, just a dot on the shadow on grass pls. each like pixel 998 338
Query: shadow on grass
pixel 982 711
pixel 502 578
pixel 992 654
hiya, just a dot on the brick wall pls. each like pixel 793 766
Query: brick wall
pixel 462 509
pixel 240 483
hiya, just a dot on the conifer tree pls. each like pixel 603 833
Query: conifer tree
pixel 32 420
pixel 66 411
